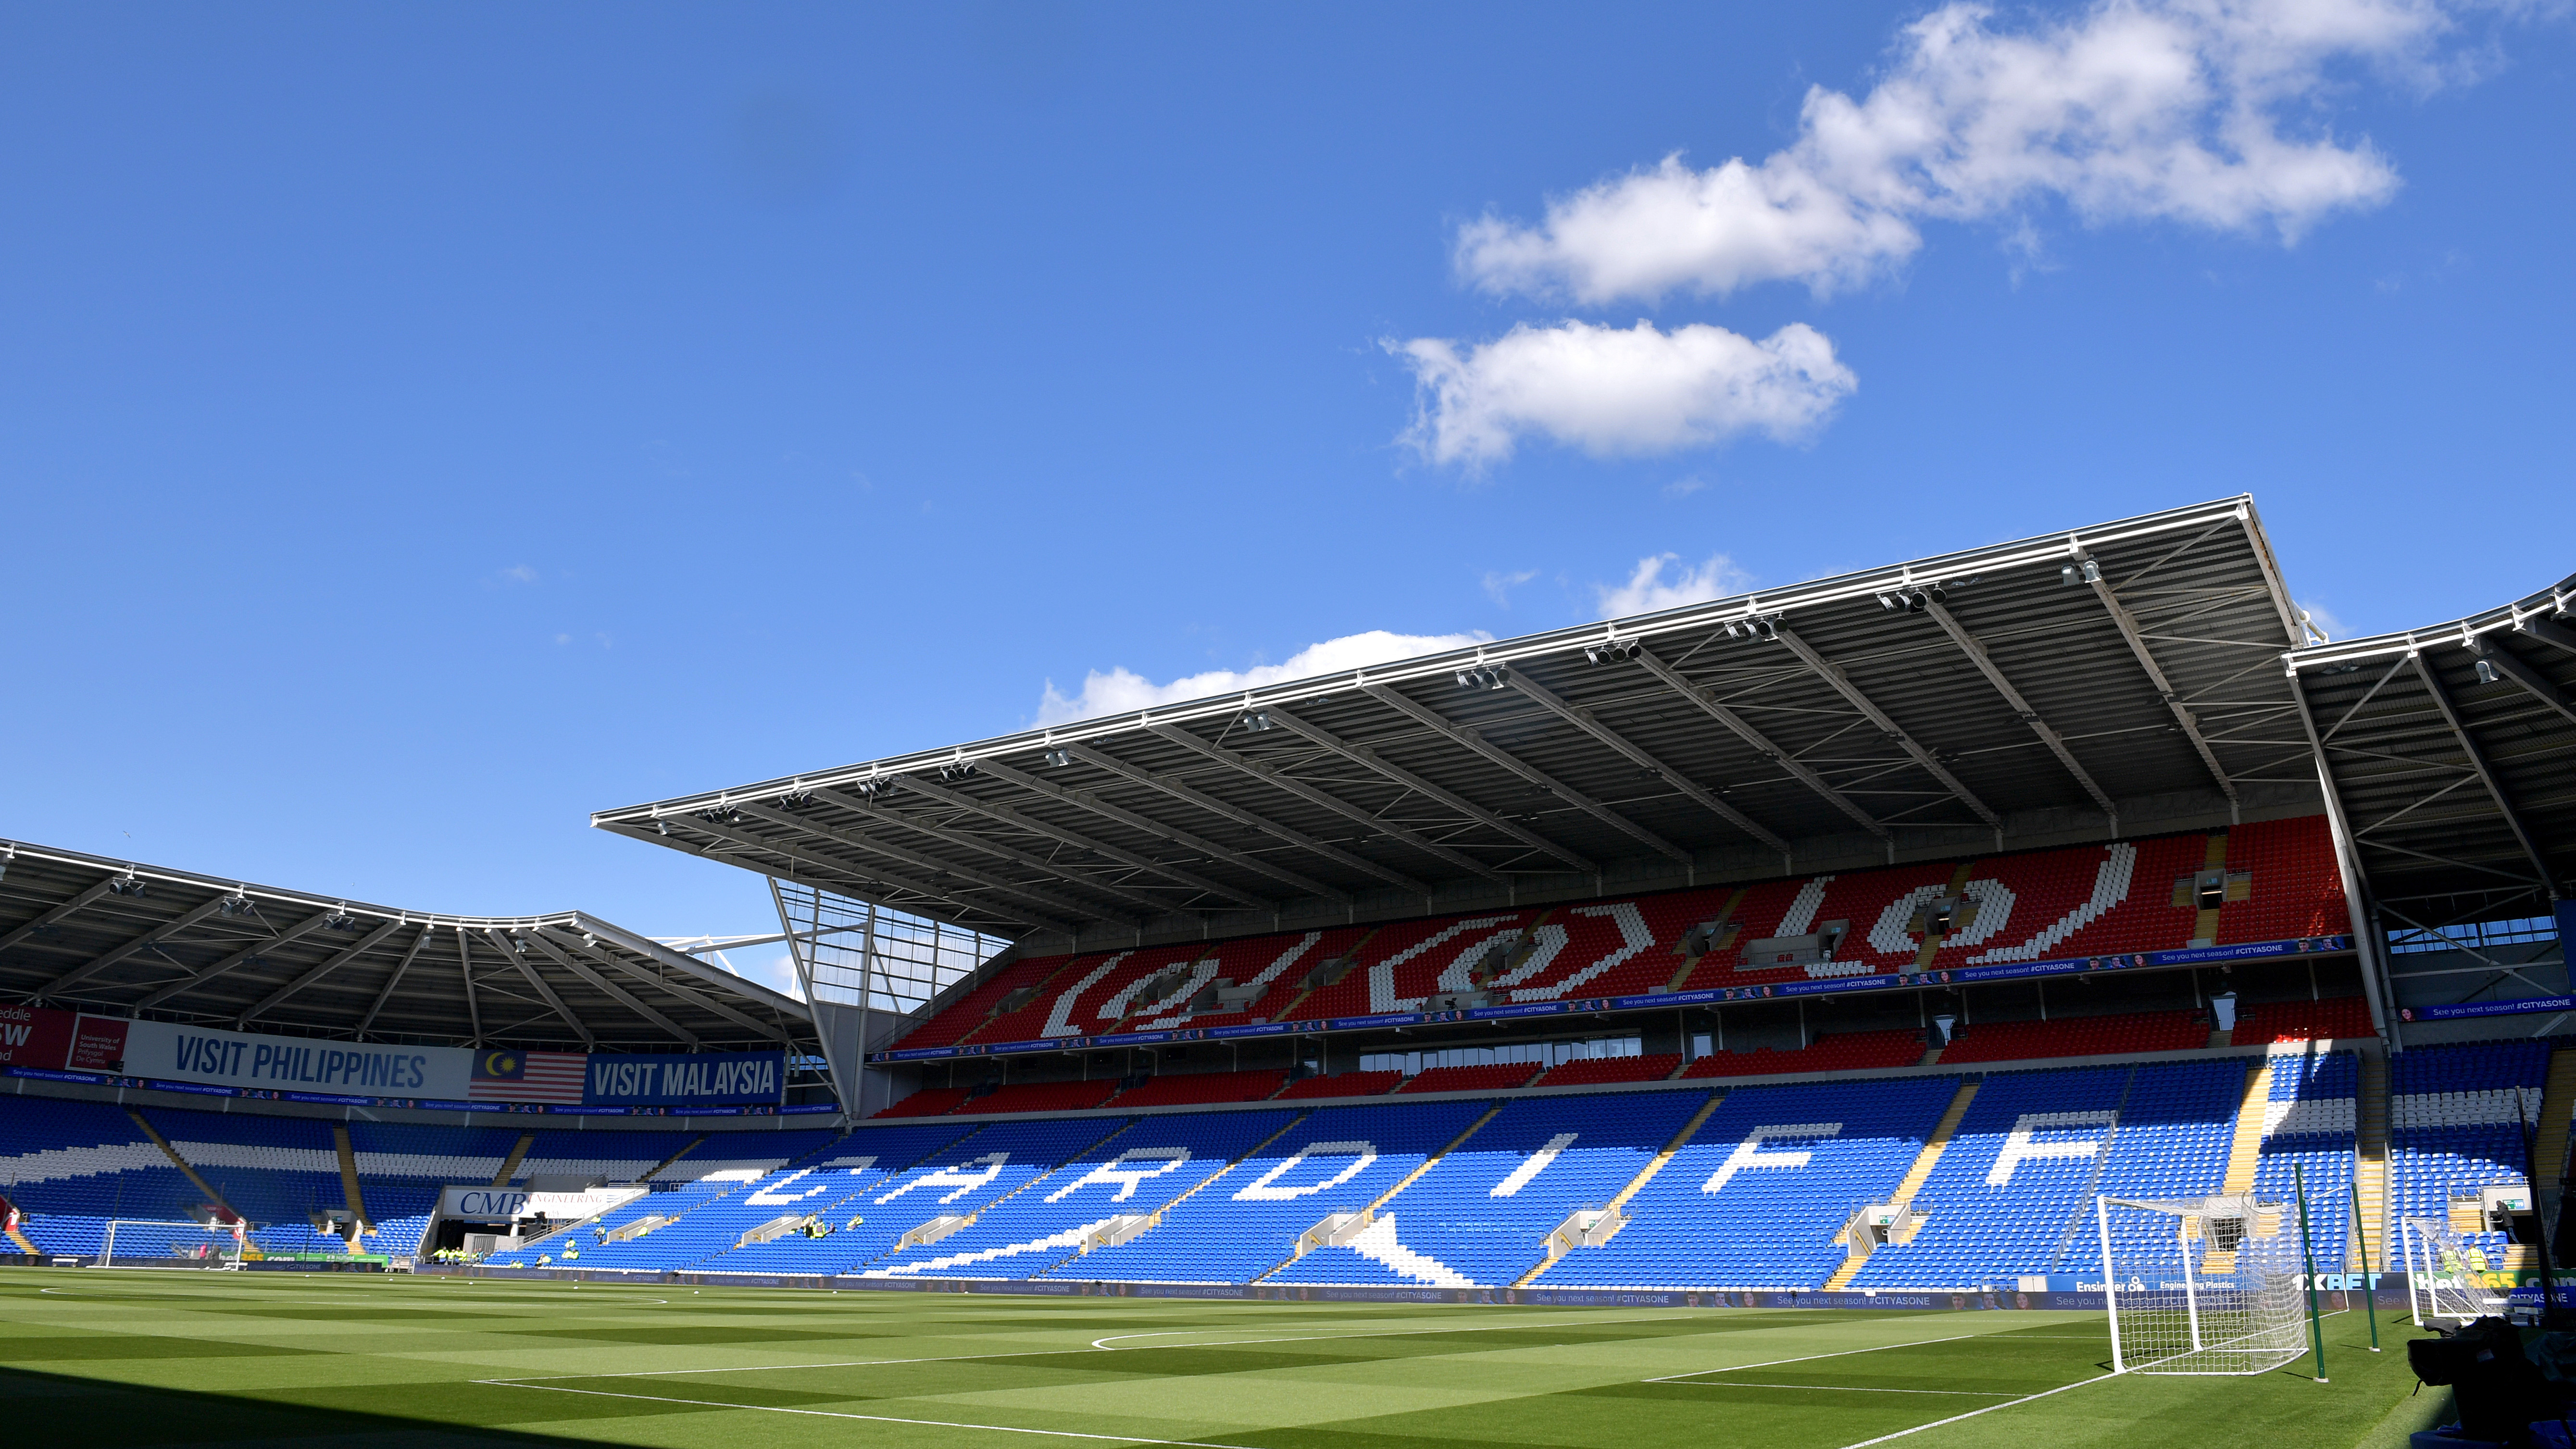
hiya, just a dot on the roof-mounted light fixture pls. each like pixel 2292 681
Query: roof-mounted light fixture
pixel 2487 672
pixel 340 919
pixel 1057 759
pixel 1764 628
pixel 127 884
pixel 2088 571
pixel 956 770
pixel 1258 721
pixel 1483 676
pixel 1612 651
pixel 236 904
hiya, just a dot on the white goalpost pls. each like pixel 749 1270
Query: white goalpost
pixel 141 1242
pixel 2200 1285
pixel 2442 1275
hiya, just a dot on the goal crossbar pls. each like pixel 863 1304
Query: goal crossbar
pixel 2204 1285
pixel 160 1242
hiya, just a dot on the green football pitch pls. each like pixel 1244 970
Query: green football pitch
pixel 127 1359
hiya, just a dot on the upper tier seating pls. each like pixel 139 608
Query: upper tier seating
pixel 1584 1071
pixel 1480 1216
pixel 2076 1036
pixel 2129 896
pixel 2345 1017
pixel 1497 1077
pixel 1187 1089
pixel 1039 1097
pixel 1049 1223
pixel 1347 1084
pixel 1756 1197
pixel 1247 1221
pixel 1857 1051
pixel 928 1102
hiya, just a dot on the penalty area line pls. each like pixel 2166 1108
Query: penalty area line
pixel 870 1418
pixel 1988 1409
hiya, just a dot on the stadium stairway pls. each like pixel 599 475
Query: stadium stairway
pixel 2370 1153
pixel 2244 1155
pixel 518 1154
pixel 1368 1214
pixel 356 1201
pixel 1154 1219
pixel 1912 1182
pixel 1722 932
pixel 213 1197
pixel 1616 1216
pixel 1307 984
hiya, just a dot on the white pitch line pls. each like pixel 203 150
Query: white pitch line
pixel 1737 1368
pixel 871 1418
pixel 1103 1343
pixel 1859 1389
pixel 1988 1409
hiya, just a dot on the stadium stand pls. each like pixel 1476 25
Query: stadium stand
pixel 1118 1185
pixel 1040 1097
pixel 2280 882
pixel 72 1166
pixel 1590 1071
pixel 1758 1196
pixel 2171 1141
pixel 1497 1077
pixel 1199 1088
pixel 2309 1125
pixel 928 1102
pixel 1345 1084
pixel 2079 1036
pixel 1481 1215
pixel 2012 1185
pixel 2455 1122
pixel 1848 1052
pixel 1249 1219
pixel 2344 1017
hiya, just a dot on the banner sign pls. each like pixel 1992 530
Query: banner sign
pixel 1667 1001
pixel 2486 1008
pixel 703 1079
pixel 498 1204
pixel 163 1051
pixel 34 1036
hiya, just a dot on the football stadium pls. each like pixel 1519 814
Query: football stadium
pixel 2043 994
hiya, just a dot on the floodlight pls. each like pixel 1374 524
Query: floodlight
pixel 2085 571
pixel 2487 673
pixel 1483 676
pixel 1058 759
pixel 957 770
pixel 235 904
pixel 125 885
pixel 1258 721
pixel 340 919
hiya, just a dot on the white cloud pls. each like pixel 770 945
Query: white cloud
pixel 1499 585
pixel 1609 391
pixel 1120 690
pixel 2191 111
pixel 1648 590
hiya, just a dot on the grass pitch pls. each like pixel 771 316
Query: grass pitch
pixel 137 1358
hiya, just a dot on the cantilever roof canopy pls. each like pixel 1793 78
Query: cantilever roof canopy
pixel 2452 755
pixel 2119 678
pixel 81 932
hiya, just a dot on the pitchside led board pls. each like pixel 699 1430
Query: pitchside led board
pixel 37 1038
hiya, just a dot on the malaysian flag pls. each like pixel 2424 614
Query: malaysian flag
pixel 515 1076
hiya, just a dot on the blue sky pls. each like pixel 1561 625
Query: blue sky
pixel 421 426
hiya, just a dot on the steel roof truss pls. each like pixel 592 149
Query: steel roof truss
pixel 1181 790
pixel 2547 630
pixel 1075 838
pixel 57 915
pixel 339 959
pixel 620 963
pixel 301 928
pixel 864 877
pixel 1074 910
pixel 115 954
pixel 1582 718
pixel 1307 791
pixel 1832 674
pixel 2165 690
pixel 1705 697
pixel 1475 740
pixel 2021 706
pixel 502 944
pixel 1146 824
pixel 386 992
pixel 2505 662
pixel 2486 774
pixel 608 988
pixel 869 808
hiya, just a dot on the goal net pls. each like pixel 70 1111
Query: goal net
pixel 143 1242
pixel 2200 1285
pixel 2446 1276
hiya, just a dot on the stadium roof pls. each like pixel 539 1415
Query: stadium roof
pixel 81 932
pixel 2119 678
pixel 2452 751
